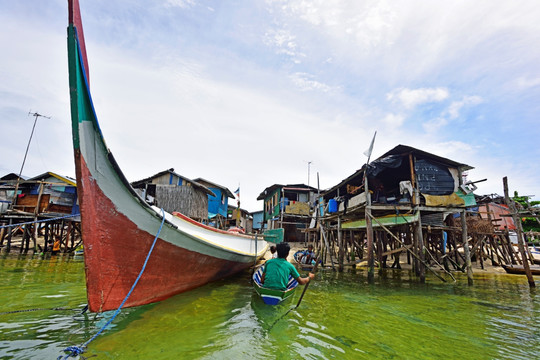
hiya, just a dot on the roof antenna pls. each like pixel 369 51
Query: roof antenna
pixel 36 115
pixel 308 169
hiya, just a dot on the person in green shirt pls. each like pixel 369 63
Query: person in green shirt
pixel 276 271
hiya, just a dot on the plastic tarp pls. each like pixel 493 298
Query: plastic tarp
pixel 444 200
pixel 377 166
pixel 433 178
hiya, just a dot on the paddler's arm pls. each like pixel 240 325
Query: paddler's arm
pixel 305 280
pixel 262 277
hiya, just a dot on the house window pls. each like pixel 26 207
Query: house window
pixel 291 196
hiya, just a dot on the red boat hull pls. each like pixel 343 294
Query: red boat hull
pixel 115 250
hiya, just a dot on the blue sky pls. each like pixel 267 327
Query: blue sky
pixel 247 92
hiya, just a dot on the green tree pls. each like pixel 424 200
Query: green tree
pixel 523 203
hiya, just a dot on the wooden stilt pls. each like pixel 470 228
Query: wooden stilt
pixel 9 235
pixel 421 256
pixel 408 241
pixel 500 257
pixel 519 229
pixel 415 255
pixel 2 235
pixel 327 246
pixel 341 250
pixel 68 237
pixel 465 240
pixel 370 247
pixel 24 238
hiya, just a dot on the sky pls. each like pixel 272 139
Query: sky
pixel 253 93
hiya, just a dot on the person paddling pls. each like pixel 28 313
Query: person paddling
pixel 276 271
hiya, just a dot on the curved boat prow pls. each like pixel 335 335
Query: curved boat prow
pixel 118 227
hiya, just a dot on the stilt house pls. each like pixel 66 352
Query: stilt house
pixel 174 192
pixel 218 203
pixel 403 184
pixel 398 203
pixel 47 205
pixel 47 193
pixel 288 207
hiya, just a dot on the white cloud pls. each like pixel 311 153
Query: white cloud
pixel 284 43
pixel 394 120
pixel 305 82
pixel 181 3
pixel 456 106
pixel 367 24
pixel 410 98
pixel 524 83
pixel 434 125
pixel 456 146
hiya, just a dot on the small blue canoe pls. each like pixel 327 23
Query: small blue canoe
pixel 271 296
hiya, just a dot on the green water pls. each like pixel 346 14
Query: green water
pixel 341 317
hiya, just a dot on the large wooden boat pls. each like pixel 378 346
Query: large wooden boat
pixel 119 228
pixel 519 269
pixel 272 296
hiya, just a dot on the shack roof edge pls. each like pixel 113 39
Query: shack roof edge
pixel 402 150
pixel 171 171
pixel 297 187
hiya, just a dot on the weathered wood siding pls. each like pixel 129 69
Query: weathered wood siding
pixel 184 199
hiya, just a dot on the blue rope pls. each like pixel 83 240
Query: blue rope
pixel 38 221
pixel 73 351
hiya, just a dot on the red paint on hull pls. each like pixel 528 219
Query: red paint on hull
pixel 115 250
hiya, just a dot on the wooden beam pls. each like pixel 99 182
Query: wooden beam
pixel 398 250
pixel 409 250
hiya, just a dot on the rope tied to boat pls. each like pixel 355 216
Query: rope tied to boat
pixel 74 351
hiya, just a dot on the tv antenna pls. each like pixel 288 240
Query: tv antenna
pixel 308 169
pixel 36 116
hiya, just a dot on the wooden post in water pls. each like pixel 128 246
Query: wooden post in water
pixel 517 222
pixel 9 234
pixel 68 237
pixel 24 238
pixel 411 251
pixel 408 242
pixel 327 245
pixel 420 241
pixel 369 231
pixel 46 236
pixel 465 240
pixel 2 235
pixel 341 245
pixel 493 239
